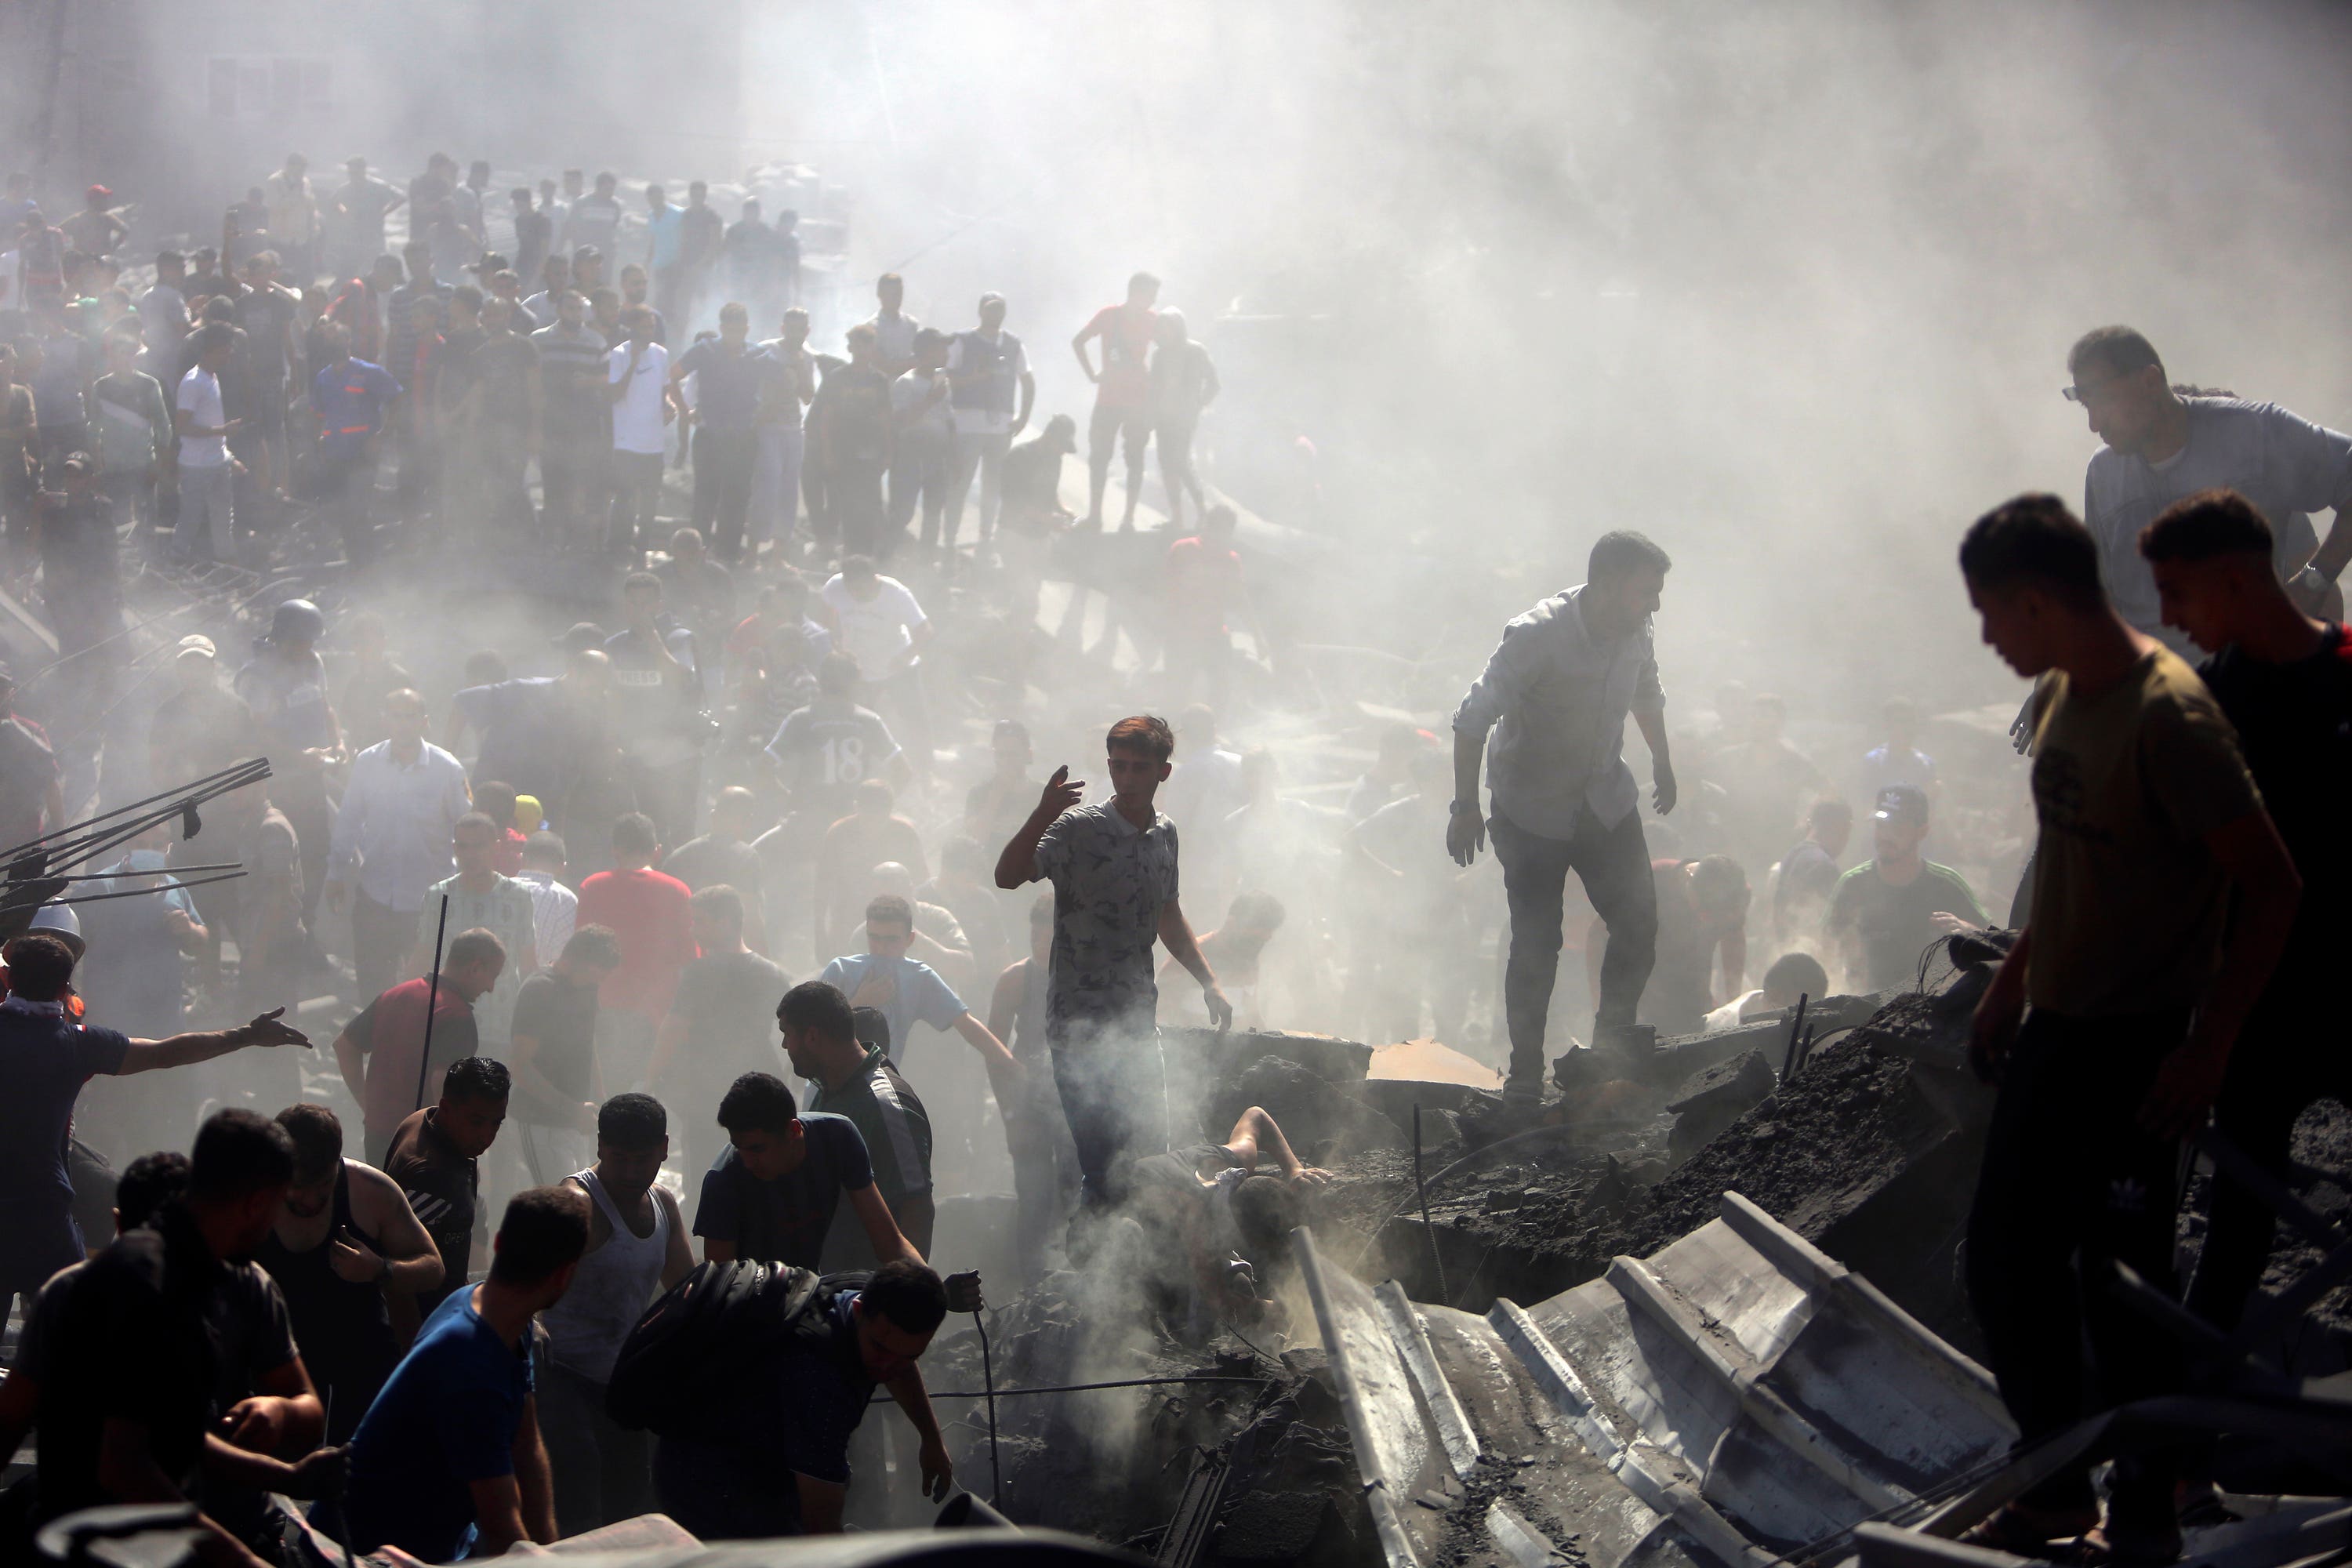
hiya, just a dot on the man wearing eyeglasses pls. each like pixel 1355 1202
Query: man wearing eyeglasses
pixel 2164 443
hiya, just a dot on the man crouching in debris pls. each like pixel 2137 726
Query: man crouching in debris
pixel 2149 820
pixel 1113 867
pixel 1213 1224
pixel 1556 693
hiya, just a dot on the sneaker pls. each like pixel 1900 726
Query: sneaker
pixel 1523 1089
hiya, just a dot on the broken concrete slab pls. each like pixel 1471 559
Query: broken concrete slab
pixel 1711 1101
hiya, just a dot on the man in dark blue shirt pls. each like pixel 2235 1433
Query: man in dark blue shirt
pixel 350 396
pixel 45 1060
pixel 448 1461
pixel 798 1405
pixel 771 1194
pixel 728 372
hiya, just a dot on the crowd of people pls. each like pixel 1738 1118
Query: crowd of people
pixel 553 909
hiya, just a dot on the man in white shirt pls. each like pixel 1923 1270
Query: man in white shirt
pixel 164 316
pixel 638 383
pixel 207 493
pixel 878 623
pixel 988 371
pixel 293 215
pixel 894 329
pixel 391 839
pixel 924 452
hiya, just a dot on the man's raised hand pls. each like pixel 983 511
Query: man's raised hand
pixel 1062 792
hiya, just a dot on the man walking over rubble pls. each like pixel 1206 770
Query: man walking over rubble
pixel 2149 824
pixel 1557 693
pixel 1113 867
pixel 2285 681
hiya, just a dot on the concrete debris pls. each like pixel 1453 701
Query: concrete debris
pixel 1713 1099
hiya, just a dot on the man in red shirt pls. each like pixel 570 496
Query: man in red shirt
pixel 646 910
pixel 378 1050
pixel 1122 392
pixel 1204 586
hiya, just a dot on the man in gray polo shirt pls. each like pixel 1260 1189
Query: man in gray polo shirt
pixel 1556 693
pixel 1113 867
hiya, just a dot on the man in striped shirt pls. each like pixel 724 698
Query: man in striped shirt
pixel 860 1082
pixel 578 422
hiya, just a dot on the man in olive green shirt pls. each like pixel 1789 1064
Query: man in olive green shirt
pixel 1884 913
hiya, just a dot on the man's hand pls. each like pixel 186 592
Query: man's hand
pixel 1951 924
pixel 583 1120
pixel 1662 794
pixel 338 895
pixel 1313 1175
pixel 1220 1011
pixel 1062 793
pixel 320 1473
pixel 1465 835
pixel 964 1292
pixel 2186 1086
pixel 256 1425
pixel 354 1260
pixel 1994 1029
pixel 938 1470
pixel 265 1030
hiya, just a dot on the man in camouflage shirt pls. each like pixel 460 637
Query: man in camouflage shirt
pixel 1113 867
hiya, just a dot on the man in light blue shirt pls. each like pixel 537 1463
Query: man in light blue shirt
pixel 665 249
pixel 907 991
pixel 1557 694
pixel 391 839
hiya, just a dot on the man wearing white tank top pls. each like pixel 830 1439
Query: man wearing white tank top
pixel 637 1248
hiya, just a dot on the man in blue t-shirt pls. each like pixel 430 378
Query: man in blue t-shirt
pixel 448 1461
pixel 861 1330
pixel 350 396
pixel 771 1196
pixel 908 991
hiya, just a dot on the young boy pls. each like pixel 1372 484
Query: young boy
pixel 1113 867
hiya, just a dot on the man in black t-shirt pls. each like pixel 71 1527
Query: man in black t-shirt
pixel 168 1329
pixel 436 1156
pixel 2285 681
pixel 721 1022
pixel 265 313
pixel 554 1051
pixel 827 748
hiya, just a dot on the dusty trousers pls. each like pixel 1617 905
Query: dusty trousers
pixel 1614 863
pixel 1107 1071
pixel 2068 1183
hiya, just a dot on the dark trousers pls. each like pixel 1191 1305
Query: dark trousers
pixel 636 493
pixel 919 470
pixel 853 493
pixel 381 938
pixel 1108 1075
pixel 2276 1070
pixel 1614 863
pixel 505 497
pixel 725 1491
pixel 723 461
pixel 2069 1183
pixel 1103 432
pixel 570 479
pixel 346 493
pixel 1044 1167
pixel 603 1471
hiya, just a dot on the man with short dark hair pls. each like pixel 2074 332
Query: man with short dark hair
pixel 1122 392
pixel 637 1248
pixel 636 376
pixel 857 1079
pixel 1557 693
pixel 391 842
pixel 861 1330
pixel 45 1060
pixel 908 992
pixel 174 1338
pixel 555 1053
pixel 729 372
pixel 343 1237
pixel 380 1050
pixel 853 432
pixel 449 1462
pixel 772 1194
pixel 716 1025
pixel 1884 913
pixel 436 1156
pixel 2153 842
pixel 1808 876
pixel 2164 443
pixel 481 898
pixel 1114 872
pixel 2284 682
pixel 207 517
pixel 993 391
pixel 648 910
pixel 825 751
